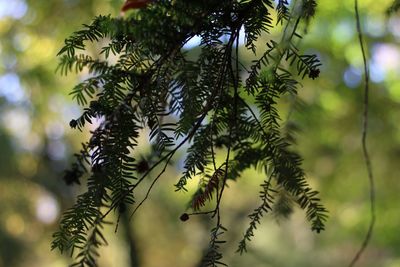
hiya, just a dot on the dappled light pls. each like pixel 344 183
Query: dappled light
pixel 15 9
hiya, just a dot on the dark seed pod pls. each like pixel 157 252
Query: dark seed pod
pixel 73 124
pixel 184 217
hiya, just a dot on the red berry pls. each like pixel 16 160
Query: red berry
pixel 133 4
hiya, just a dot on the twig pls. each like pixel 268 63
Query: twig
pixel 167 159
pixel 235 78
pixel 364 142
pixel 152 184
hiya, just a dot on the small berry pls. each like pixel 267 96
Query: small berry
pixel 73 124
pixel 184 217
pixel 133 4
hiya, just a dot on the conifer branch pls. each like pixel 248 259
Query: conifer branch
pixel 153 79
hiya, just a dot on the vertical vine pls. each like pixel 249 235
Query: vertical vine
pixel 364 141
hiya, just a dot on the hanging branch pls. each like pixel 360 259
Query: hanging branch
pixel 201 102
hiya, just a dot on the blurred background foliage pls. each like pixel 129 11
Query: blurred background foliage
pixel 36 145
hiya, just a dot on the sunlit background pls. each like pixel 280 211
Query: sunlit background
pixel 36 145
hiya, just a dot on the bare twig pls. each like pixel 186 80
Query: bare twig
pixel 364 142
pixel 235 78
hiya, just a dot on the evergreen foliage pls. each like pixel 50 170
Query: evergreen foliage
pixel 146 81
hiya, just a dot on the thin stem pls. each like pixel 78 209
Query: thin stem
pixel 235 78
pixel 152 185
pixel 167 159
pixel 364 142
